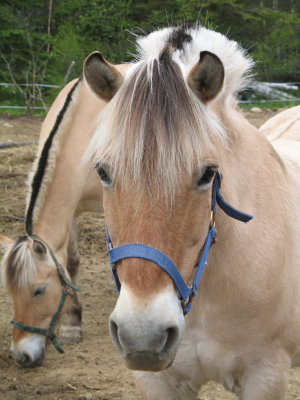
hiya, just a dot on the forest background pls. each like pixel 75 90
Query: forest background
pixel 46 41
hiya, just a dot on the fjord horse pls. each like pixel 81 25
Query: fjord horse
pixel 60 188
pixel 170 135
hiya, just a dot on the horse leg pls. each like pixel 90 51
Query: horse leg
pixel 267 380
pixel 70 331
pixel 158 386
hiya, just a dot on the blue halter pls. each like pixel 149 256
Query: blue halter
pixel 135 250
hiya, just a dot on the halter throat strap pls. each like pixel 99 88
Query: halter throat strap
pixel 68 288
pixel 136 250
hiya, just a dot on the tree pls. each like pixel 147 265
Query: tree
pixel 40 38
pixel 25 49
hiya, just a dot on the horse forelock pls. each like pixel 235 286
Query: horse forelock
pixel 189 41
pixel 155 131
pixel 18 266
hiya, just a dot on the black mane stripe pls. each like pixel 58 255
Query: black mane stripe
pixel 179 37
pixel 43 161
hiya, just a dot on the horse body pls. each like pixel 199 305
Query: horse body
pixel 244 324
pixel 67 190
pixel 157 146
pixel 61 187
pixel 283 131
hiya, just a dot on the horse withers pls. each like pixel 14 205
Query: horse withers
pixel 61 187
pixel 170 132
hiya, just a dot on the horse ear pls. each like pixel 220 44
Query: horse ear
pixel 206 78
pixel 103 78
pixel 6 241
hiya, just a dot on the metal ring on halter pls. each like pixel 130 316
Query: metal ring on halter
pixel 65 284
pixel 212 221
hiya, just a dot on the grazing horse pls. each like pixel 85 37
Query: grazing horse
pixel 60 188
pixel 169 136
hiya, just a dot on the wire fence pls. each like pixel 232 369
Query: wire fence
pixel 31 85
pixel 267 101
pixel 286 85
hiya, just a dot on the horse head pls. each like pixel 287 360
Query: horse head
pixel 30 273
pixel 156 163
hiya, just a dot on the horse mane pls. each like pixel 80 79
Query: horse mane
pixel 44 164
pixel 188 42
pixel 13 273
pixel 155 130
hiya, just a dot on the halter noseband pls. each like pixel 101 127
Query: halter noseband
pixel 67 287
pixel 135 250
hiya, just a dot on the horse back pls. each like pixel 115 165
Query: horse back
pixel 283 131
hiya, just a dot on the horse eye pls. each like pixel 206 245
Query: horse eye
pixel 39 290
pixel 206 177
pixel 38 247
pixel 104 176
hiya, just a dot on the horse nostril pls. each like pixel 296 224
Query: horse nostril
pixel 25 360
pixel 172 340
pixel 158 341
pixel 113 330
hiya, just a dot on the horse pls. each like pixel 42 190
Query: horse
pixel 38 267
pixel 202 216
pixel 283 126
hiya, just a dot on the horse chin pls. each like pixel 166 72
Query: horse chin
pixel 142 361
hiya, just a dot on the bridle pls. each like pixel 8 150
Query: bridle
pixel 136 250
pixel 67 288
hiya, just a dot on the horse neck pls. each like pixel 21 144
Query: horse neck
pixel 251 171
pixel 248 163
pixel 71 181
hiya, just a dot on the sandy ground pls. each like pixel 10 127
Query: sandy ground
pixel 91 369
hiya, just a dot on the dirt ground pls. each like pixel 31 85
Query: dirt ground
pixel 92 369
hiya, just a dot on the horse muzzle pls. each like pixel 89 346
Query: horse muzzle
pixel 147 337
pixel 29 351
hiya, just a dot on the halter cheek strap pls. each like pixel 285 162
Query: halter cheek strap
pixel 135 250
pixel 68 288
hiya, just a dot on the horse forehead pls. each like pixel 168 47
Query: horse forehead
pixel 150 200
pixel 129 213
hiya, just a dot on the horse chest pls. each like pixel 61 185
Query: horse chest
pixel 201 358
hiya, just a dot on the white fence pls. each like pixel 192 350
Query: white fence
pixel 268 89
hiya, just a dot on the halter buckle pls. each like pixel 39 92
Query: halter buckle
pixel 212 222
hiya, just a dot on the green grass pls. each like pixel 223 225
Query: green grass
pixel 14 111
pixel 270 104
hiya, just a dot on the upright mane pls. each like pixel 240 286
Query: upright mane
pixel 153 132
pixel 44 164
